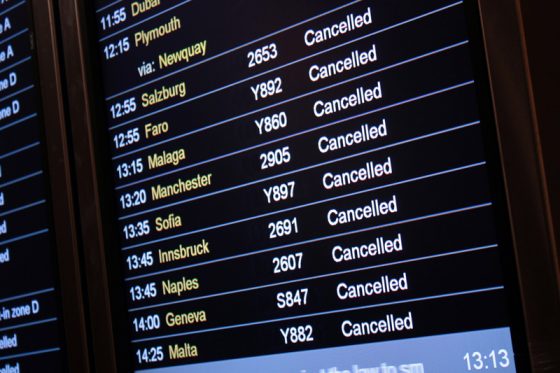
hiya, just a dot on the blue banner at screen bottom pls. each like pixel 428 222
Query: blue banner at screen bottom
pixel 479 351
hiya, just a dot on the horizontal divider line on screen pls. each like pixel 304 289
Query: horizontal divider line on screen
pixel 108 6
pixel 4 98
pixel 32 353
pixel 325 313
pixel 144 20
pixel 14 35
pixel 222 54
pixel 23 60
pixel 313 240
pixel 294 172
pixel 387 107
pixel 20 179
pixel 317 277
pixel 32 323
pixel 31 294
pixel 21 208
pixel 22 149
pixel 291 99
pixel 12 8
pixel 309 204
pixel 24 236
pixel 167 141
pixel 16 122
pixel 234 49
pixel 23 178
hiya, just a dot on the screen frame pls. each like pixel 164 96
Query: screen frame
pixel 533 229
pixel 101 286
pixel 540 28
pixel 501 37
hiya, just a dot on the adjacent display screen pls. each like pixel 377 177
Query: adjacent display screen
pixel 30 339
pixel 304 186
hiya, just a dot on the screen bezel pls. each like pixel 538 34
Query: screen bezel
pixel 533 230
pixel 89 109
pixel 75 355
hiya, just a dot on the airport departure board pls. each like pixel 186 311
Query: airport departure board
pixel 305 186
pixel 30 333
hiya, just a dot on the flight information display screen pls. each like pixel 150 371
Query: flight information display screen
pixel 30 338
pixel 304 186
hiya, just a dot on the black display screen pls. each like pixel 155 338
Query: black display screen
pixel 305 186
pixel 30 338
